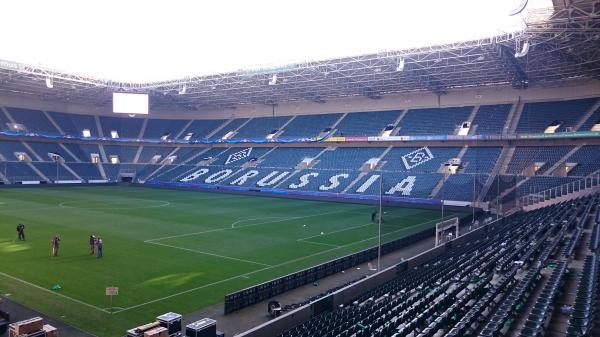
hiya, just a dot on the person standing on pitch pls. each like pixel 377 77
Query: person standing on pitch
pixel 21 232
pixel 92 244
pixel 99 247
pixel 55 244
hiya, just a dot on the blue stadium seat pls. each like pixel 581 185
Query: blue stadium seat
pixel 126 153
pixel 74 124
pixel 157 128
pixel 44 149
pixel 394 159
pixel 524 156
pixel 590 122
pixel 200 129
pixel 231 126
pixel 126 127
pixel 478 159
pixel 308 126
pixel 419 121
pixel 490 119
pixel 366 123
pixel 288 157
pixel 537 116
pixel 33 120
pixel 587 159
pixel 350 158
pixel 87 171
pixel 260 127
pixel 18 172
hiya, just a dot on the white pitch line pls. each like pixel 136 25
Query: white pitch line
pixel 338 231
pixel 53 292
pixel 243 226
pixel 245 275
pixel 245 220
pixel 211 254
pixel 162 203
pixel 318 243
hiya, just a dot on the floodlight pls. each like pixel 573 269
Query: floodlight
pixel 400 66
pixel 49 82
pixel 524 50
pixel 273 80
pixel 183 89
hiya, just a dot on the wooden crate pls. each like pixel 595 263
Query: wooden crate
pixel 26 326
pixel 157 332
pixel 50 330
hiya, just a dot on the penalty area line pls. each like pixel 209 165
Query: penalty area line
pixel 210 254
pixel 242 226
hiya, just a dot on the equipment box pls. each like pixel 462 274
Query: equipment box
pixel 203 328
pixel 171 321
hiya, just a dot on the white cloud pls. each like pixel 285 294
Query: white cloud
pixel 151 40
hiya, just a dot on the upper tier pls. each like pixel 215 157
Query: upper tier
pixel 497 119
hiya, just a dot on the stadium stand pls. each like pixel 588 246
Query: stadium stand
pixel 163 128
pixel 587 159
pixel 403 158
pixel 490 119
pixel 17 172
pixel 537 116
pixel 350 158
pixel 4 121
pixel 288 157
pixel 426 183
pixel 125 127
pixel 125 154
pixel 418 121
pixel 54 171
pixel 154 152
pixel 9 148
pixel 260 127
pixel 526 156
pixel 200 129
pixel 33 120
pixel 366 123
pixel 591 121
pixel 323 181
pixel 229 127
pixel 87 171
pixel 74 124
pixel 83 151
pixel 463 187
pixel 480 159
pixel 309 125
pixel 44 150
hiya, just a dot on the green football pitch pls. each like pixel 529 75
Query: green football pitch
pixel 169 250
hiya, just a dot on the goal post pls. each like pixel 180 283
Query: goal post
pixel 444 229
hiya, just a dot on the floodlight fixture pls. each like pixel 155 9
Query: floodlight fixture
pixel 400 66
pixel 273 80
pixel 183 89
pixel 524 50
pixel 49 82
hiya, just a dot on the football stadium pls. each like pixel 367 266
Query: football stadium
pixel 272 169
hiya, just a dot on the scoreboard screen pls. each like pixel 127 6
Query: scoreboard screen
pixel 125 103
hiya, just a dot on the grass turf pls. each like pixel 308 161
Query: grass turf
pixel 169 250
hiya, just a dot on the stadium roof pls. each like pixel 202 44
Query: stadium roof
pixel 556 44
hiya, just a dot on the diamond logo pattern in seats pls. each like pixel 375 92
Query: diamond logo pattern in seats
pixel 245 153
pixel 416 158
